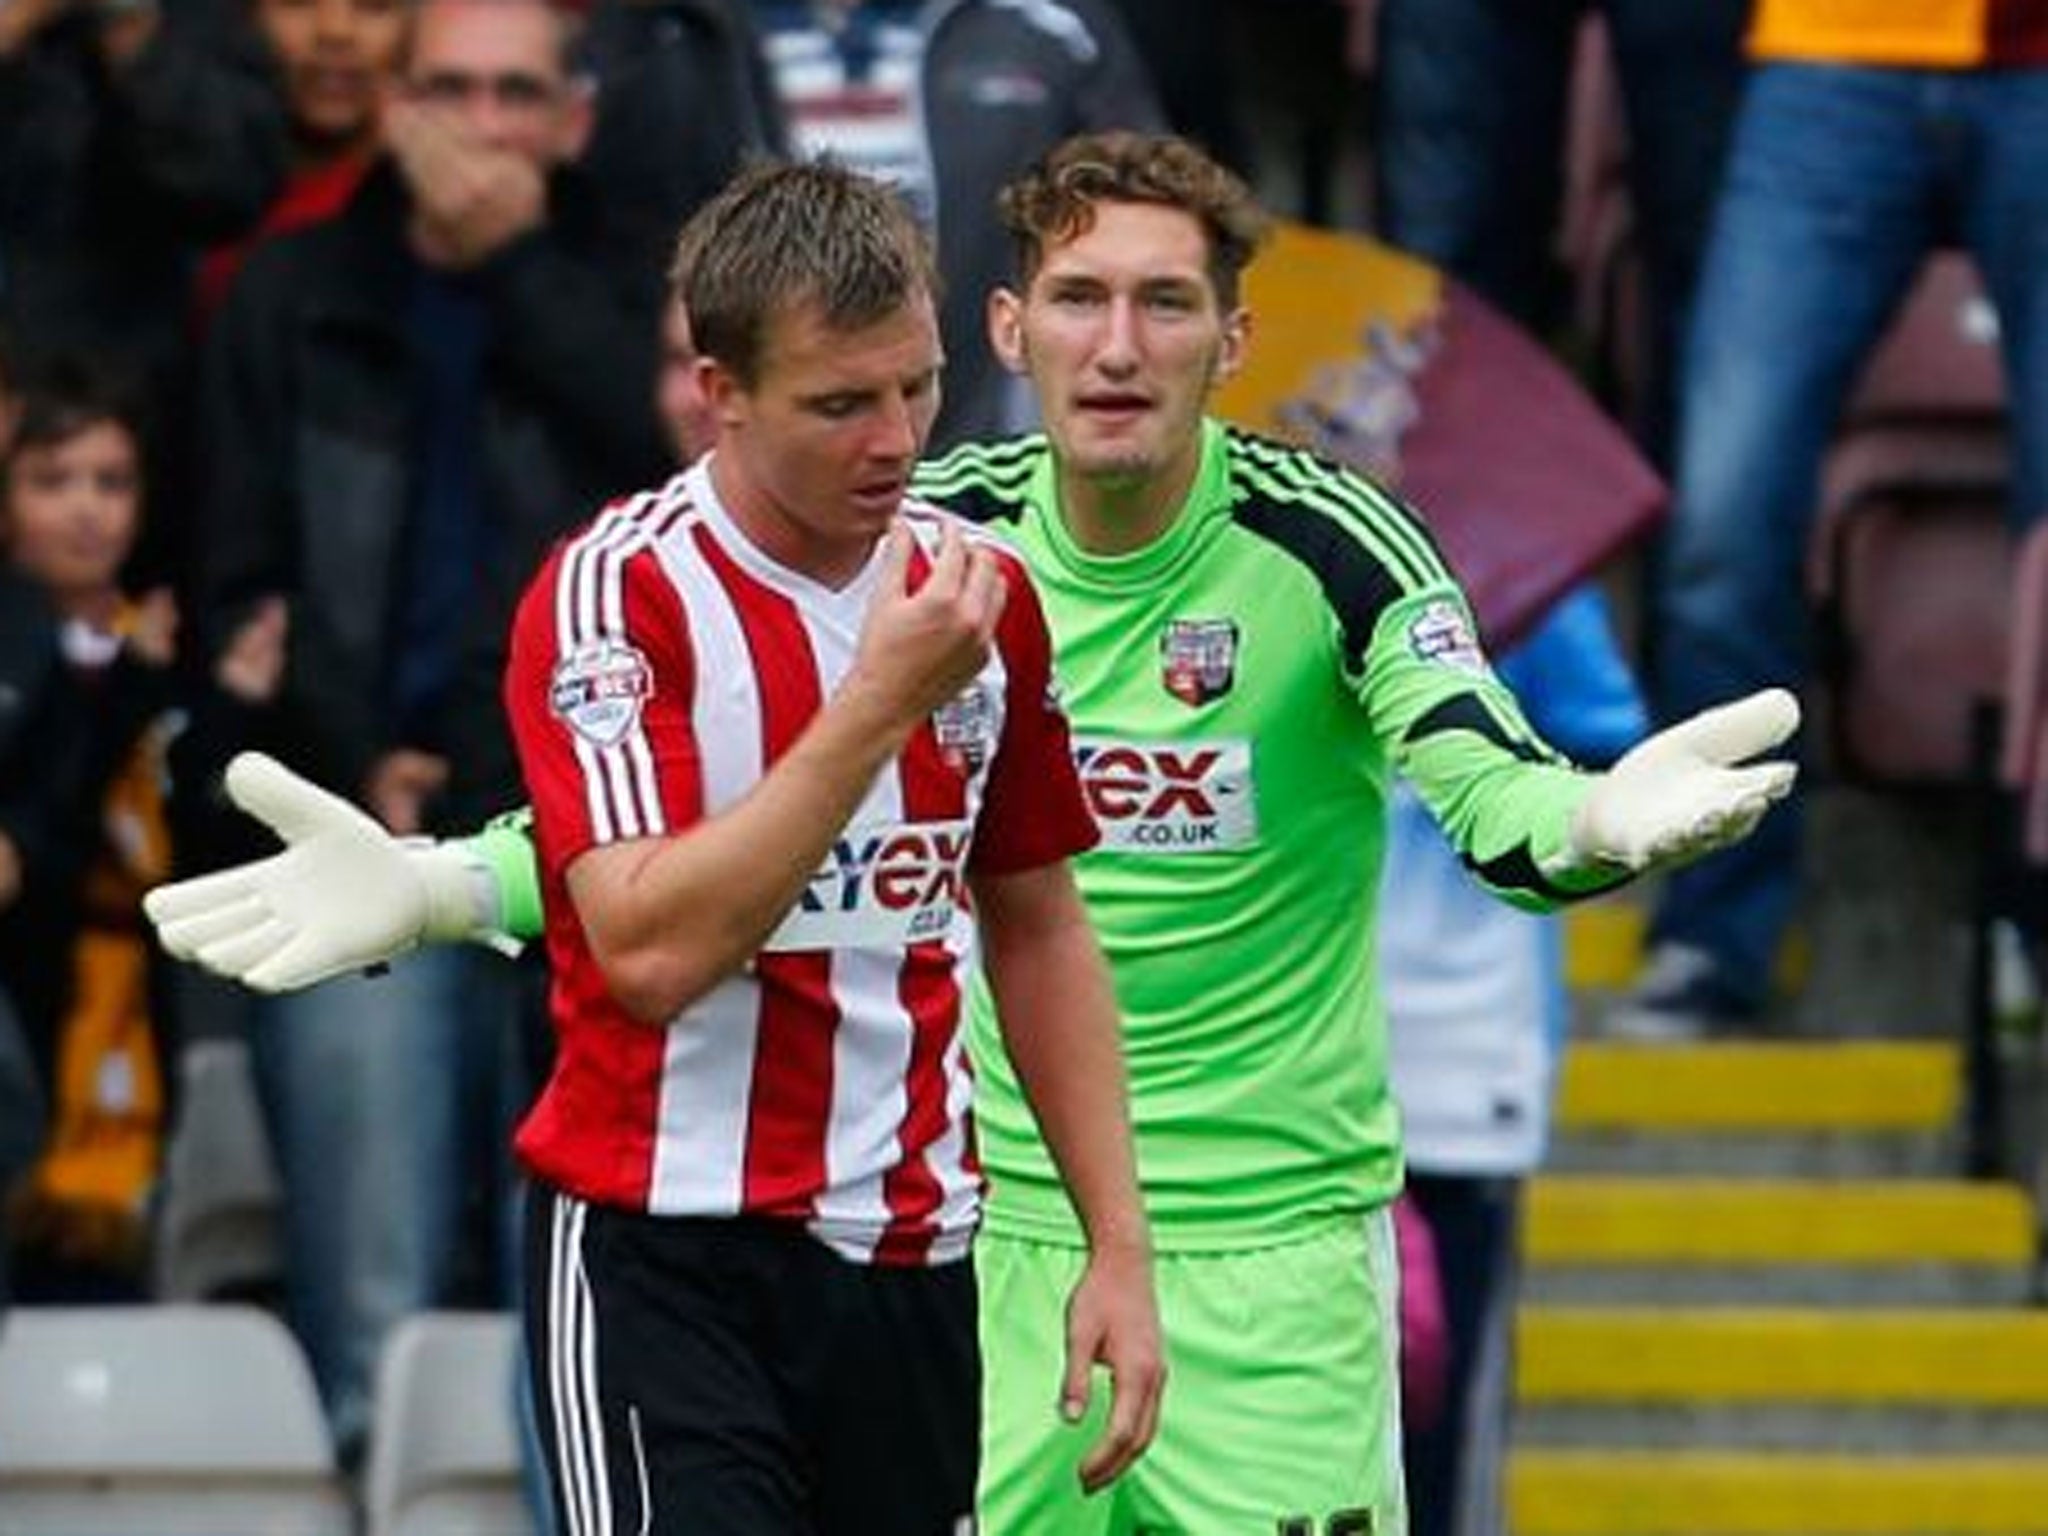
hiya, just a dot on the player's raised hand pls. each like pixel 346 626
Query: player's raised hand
pixel 1689 789
pixel 342 895
pixel 1113 1320
pixel 924 642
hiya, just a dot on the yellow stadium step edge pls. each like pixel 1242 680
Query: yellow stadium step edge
pixel 1799 1086
pixel 1675 1356
pixel 1591 1221
pixel 1700 1493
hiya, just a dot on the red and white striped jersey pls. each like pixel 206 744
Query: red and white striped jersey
pixel 660 665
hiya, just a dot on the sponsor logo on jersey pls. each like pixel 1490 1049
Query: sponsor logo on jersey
pixel 1440 633
pixel 1170 796
pixel 881 887
pixel 965 728
pixel 1198 659
pixel 598 690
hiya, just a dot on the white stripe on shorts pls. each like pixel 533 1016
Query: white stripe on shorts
pixel 579 1448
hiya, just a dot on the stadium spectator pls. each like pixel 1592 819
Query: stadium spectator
pixel 404 405
pixel 1187 47
pixel 1468 146
pixel 1870 134
pixel 28 660
pixel 338 58
pixel 948 102
pixel 683 100
pixel 89 824
pixel 131 135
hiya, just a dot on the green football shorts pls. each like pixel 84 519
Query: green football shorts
pixel 1282 1407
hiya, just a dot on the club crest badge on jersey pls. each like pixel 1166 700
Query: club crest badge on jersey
pixel 1441 633
pixel 1198 659
pixel 965 729
pixel 599 689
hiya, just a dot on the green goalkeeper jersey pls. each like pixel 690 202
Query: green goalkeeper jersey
pixel 1240 692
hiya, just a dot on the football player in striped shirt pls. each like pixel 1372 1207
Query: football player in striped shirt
pixel 797 764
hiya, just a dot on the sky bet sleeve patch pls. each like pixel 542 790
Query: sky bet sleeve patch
pixel 599 689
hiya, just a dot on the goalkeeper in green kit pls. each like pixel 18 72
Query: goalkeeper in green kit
pixel 1250 642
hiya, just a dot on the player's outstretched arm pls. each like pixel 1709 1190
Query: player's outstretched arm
pixel 343 893
pixel 1689 789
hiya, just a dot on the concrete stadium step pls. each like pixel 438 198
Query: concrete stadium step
pixel 1678 1356
pixel 1736 1493
pixel 1811 1328
pixel 1822 1108
pixel 1587 1238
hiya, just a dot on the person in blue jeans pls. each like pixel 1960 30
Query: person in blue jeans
pixel 1468 146
pixel 1841 178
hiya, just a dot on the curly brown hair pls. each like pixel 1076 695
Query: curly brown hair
pixel 1055 199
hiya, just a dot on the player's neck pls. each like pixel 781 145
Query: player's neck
pixel 796 544
pixel 1112 514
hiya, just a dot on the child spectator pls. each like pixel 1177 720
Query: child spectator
pixel 84 827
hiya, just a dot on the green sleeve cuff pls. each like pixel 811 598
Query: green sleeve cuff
pixel 1570 879
pixel 505 848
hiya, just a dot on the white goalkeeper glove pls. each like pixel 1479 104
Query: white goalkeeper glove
pixel 344 894
pixel 1684 792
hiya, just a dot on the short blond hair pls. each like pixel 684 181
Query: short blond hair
pixel 783 234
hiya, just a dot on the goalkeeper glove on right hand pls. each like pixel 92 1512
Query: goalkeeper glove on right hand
pixel 343 895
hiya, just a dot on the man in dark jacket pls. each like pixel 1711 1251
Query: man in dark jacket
pixel 684 98
pixel 403 407
pixel 127 136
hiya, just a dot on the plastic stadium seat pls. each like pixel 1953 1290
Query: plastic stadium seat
pixel 1911 580
pixel 444 1455
pixel 2024 765
pixel 1911 562
pixel 1595 171
pixel 1939 359
pixel 161 1421
pixel 217 1228
pixel 1918 456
